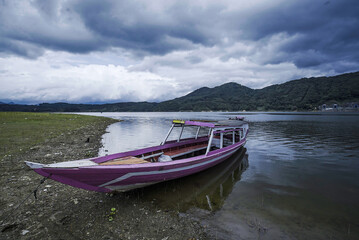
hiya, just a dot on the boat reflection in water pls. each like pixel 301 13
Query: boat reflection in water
pixel 206 190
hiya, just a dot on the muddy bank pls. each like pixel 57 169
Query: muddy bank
pixel 64 212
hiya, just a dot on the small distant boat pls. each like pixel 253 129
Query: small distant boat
pixel 241 118
pixel 169 160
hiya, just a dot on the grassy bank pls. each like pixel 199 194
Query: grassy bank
pixel 61 211
pixel 21 131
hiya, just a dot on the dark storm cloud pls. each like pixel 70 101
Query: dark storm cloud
pixel 316 33
pixel 28 28
pixel 85 26
pixel 322 32
pixel 134 26
pixel 19 48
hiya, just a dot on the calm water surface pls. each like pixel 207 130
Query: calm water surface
pixel 302 181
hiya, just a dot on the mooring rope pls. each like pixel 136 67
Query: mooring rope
pixel 23 201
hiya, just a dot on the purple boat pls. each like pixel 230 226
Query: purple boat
pixel 170 160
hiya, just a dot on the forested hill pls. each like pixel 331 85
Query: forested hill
pixel 308 93
pixel 302 94
pixel 229 96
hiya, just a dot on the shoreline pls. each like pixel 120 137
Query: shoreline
pixel 61 211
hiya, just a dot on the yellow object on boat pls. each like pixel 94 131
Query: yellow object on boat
pixel 178 121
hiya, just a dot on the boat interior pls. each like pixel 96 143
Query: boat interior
pixel 219 139
pixel 173 153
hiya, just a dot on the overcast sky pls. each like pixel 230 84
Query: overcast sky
pixel 112 51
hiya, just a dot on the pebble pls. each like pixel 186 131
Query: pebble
pixel 24 232
pixel 25 178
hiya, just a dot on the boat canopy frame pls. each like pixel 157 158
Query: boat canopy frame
pixel 215 127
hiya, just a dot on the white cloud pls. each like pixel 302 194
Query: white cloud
pixel 61 76
pixel 48 79
pixel 241 62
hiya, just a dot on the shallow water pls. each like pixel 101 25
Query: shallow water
pixel 302 181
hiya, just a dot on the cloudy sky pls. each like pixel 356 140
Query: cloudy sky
pixel 112 51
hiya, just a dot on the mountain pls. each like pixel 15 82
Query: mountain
pixel 308 93
pixel 301 94
pixel 225 97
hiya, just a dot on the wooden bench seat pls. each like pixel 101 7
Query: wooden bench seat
pixel 125 160
pixel 186 150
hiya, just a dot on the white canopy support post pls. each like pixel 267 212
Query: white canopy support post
pixel 179 137
pixel 209 131
pixel 234 137
pixel 199 128
pixel 221 141
pixel 209 142
pixel 168 134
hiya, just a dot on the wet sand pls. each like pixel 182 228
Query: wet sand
pixel 64 212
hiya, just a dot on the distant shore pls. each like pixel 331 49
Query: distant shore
pixel 64 211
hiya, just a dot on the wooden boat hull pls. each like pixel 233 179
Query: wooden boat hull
pixel 109 178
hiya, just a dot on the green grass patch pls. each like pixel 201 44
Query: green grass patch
pixel 19 131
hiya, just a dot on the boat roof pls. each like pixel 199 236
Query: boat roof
pixel 209 123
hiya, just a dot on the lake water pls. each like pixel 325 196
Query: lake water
pixel 302 181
